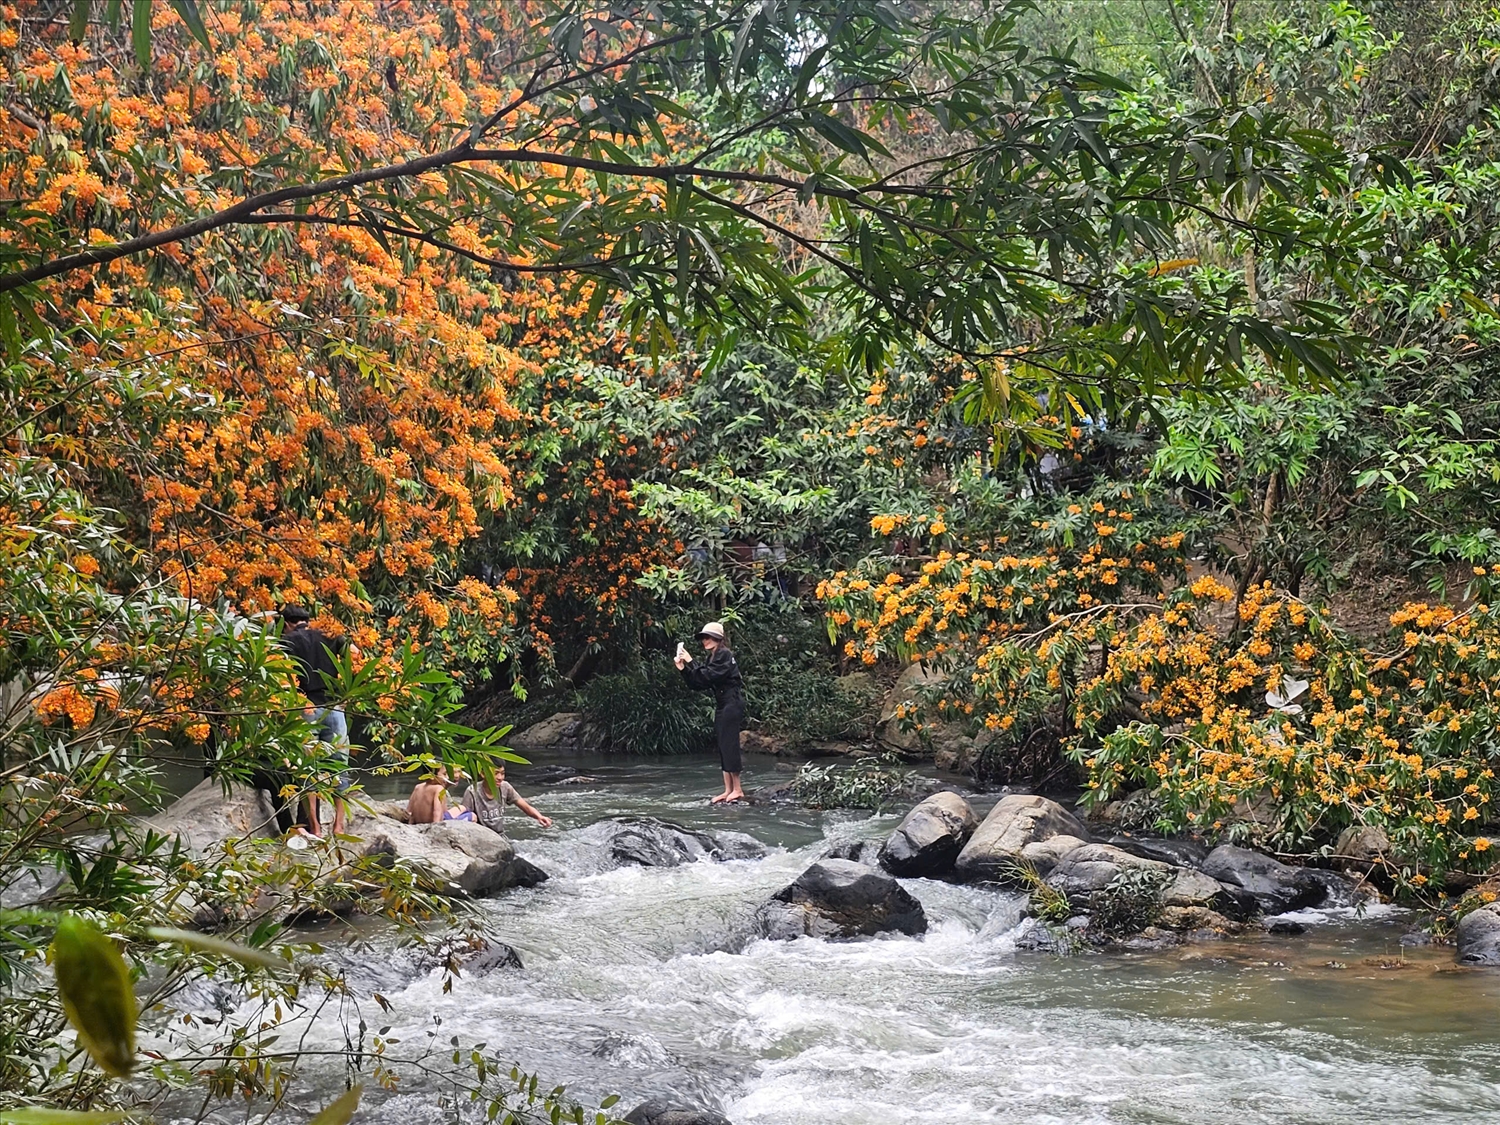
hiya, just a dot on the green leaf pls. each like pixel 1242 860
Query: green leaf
pixel 188 11
pixel 206 943
pixel 45 1115
pixel 339 1111
pixel 96 994
pixel 140 31
pixel 80 21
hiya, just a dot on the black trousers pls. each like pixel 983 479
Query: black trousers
pixel 729 719
pixel 273 782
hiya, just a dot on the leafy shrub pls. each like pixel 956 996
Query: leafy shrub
pixel 1048 903
pixel 646 708
pixel 1131 902
pixel 869 783
pixel 792 686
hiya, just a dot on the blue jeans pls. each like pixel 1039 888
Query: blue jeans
pixel 333 728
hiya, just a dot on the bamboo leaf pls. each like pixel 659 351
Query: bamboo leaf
pixel 206 943
pixel 96 993
pixel 340 1110
pixel 140 31
pixel 188 11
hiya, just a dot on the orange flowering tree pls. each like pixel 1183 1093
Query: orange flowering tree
pixel 1087 632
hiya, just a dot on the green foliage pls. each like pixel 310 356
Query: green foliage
pixel 792 689
pixel 647 708
pixel 1131 902
pixel 1045 901
pixel 874 783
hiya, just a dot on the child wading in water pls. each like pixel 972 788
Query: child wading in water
pixel 488 806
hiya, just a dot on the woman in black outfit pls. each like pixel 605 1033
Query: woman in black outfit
pixel 720 672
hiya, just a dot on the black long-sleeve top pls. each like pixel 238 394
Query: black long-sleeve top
pixel 719 673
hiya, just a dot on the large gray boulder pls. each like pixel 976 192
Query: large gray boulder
pixel 464 859
pixel 661 1112
pixel 208 816
pixel 838 899
pixel 461 858
pixel 928 841
pixel 566 732
pixel 1093 867
pixel 998 844
pixel 1478 936
pixel 1277 887
pixel 648 842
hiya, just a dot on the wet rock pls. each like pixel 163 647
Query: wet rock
pixel 565 732
pixel 866 852
pixel 1179 853
pixel 639 1051
pixel 1284 927
pixel 839 899
pixel 648 842
pixel 1478 936
pixel 1191 889
pixel 463 858
pixel 776 793
pixel 1197 923
pixel 928 840
pixel 1035 936
pixel 671 1113
pixel 552 775
pixel 474 954
pixel 1016 821
pixel 1150 940
pixel 524 873
pixel 1277 888
pixel 1339 889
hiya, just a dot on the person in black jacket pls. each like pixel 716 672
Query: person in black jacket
pixel 720 673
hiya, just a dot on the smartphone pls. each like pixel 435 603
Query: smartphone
pixel 682 651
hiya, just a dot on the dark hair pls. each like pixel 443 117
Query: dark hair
pixel 294 614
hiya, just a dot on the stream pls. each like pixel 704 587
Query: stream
pixel 626 990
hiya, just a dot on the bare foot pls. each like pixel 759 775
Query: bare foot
pixel 720 799
pixel 734 798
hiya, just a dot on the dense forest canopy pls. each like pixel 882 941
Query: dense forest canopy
pixel 1128 365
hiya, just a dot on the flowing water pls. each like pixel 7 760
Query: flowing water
pixel 627 988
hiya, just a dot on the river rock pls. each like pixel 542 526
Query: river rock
pixel 566 732
pixel 866 852
pixel 1179 853
pixel 463 858
pixel 1277 888
pixel 1033 935
pixel 658 1112
pixel 1363 845
pixel 928 841
pixel 1016 820
pixel 648 842
pixel 1093 867
pixel 839 899
pixel 1045 855
pixel 1478 936
pixel 209 815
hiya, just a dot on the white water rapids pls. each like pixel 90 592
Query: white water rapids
pixel 626 990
